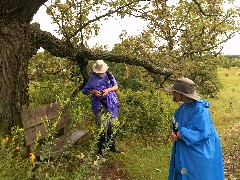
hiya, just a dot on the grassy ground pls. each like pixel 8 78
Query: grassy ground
pixel 226 116
pixel 143 159
pixel 139 160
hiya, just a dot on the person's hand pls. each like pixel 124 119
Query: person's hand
pixel 105 92
pixel 179 135
pixel 97 93
pixel 174 136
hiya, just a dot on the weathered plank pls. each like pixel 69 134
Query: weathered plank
pixel 38 122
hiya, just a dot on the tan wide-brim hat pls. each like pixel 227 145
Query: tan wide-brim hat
pixel 100 67
pixel 184 86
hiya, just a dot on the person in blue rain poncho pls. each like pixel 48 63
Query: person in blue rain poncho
pixel 196 152
pixel 103 86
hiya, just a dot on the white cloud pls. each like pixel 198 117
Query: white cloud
pixel 109 33
pixel 231 47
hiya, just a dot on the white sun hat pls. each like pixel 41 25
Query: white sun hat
pixel 100 67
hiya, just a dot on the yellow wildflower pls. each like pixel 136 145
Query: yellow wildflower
pixel 7 139
pixel 33 158
pixel 18 148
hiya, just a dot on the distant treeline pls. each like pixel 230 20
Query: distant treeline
pixel 232 56
pixel 230 61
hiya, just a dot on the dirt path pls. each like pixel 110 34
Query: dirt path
pixel 110 171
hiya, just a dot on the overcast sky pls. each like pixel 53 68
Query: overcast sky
pixel 110 31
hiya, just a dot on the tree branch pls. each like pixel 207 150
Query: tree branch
pixel 59 48
pixel 121 58
pixel 50 43
pixel 201 10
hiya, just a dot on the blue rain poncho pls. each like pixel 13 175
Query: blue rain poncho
pixel 100 83
pixel 198 155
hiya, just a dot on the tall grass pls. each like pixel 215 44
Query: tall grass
pixel 226 114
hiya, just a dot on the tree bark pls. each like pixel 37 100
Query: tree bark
pixel 13 72
pixel 15 52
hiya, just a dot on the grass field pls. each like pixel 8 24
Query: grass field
pixel 145 160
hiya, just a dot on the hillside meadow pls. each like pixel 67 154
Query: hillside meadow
pixel 142 135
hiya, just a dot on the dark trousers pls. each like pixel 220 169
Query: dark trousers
pixel 106 140
pixel 106 131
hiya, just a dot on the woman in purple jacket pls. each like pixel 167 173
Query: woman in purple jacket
pixel 103 86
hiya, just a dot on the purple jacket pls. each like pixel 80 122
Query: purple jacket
pixel 100 83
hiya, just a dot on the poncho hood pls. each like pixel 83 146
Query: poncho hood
pixel 200 102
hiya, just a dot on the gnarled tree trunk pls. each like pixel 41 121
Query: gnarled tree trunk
pixel 14 57
pixel 15 52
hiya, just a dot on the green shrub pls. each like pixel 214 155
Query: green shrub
pixel 79 163
pixel 12 165
pixel 145 111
